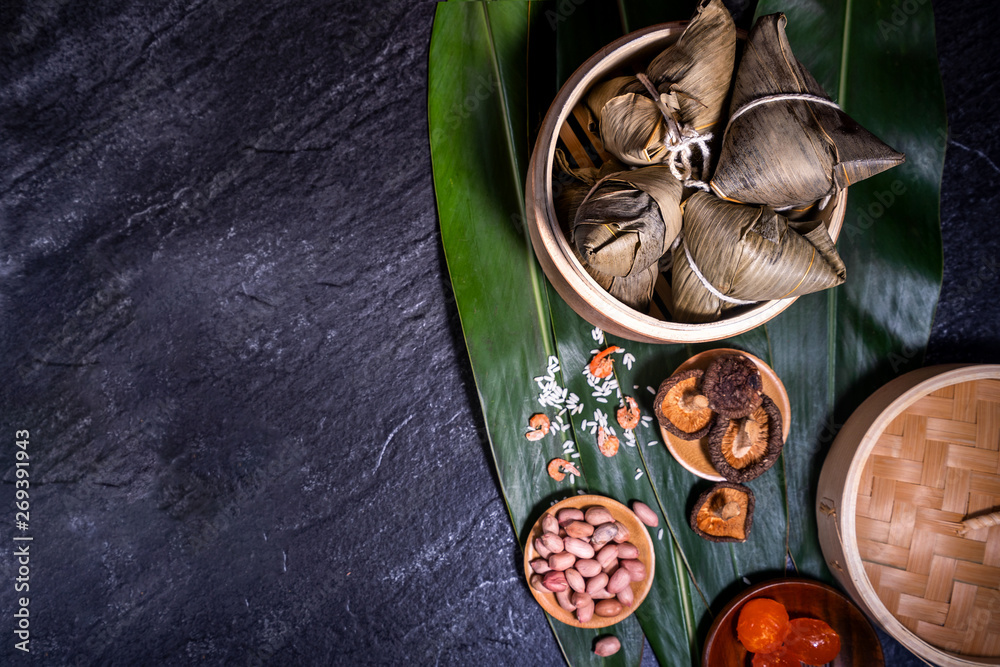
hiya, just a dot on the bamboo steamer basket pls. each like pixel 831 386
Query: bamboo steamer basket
pixel 579 138
pixel 915 459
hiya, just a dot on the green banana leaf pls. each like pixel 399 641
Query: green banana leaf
pixel 493 69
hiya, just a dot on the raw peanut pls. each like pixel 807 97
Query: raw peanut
pixel 579 529
pixel 568 515
pixel 585 613
pixel 646 515
pixel 536 583
pixel 553 543
pixel 588 567
pixel 611 567
pixel 607 608
pixel 597 583
pixel 580 599
pixel 606 646
pixel 575 580
pixel 607 554
pixel 562 597
pixel 626 596
pixel 635 568
pixel 628 550
pixel 578 547
pixel 602 594
pixel 603 534
pixel 555 581
pixel 623 533
pixel 540 548
pixel 597 515
pixel 561 561
pixel 619 580
pixel 550 524
pixel 540 565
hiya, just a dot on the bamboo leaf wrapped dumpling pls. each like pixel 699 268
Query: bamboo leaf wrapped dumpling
pixel 735 254
pixel 635 291
pixel 628 220
pixel 658 116
pixel 786 142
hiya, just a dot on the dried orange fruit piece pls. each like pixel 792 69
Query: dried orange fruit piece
pixel 812 641
pixel 558 468
pixel 608 444
pixel 628 414
pixel 763 625
pixel 779 658
pixel 600 365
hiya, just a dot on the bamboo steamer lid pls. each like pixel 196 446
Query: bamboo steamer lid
pixel 915 459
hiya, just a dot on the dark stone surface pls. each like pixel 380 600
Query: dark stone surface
pixel 227 325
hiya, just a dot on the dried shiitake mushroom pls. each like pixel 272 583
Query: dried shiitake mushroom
pixel 682 408
pixel 724 513
pixel 733 386
pixel 743 449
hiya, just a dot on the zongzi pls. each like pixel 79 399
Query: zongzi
pixel 628 220
pixel 667 114
pixel 786 142
pixel 735 254
pixel 635 291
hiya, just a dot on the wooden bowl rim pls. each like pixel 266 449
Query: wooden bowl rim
pixel 901 393
pixel 762 589
pixel 636 527
pixel 701 361
pixel 552 249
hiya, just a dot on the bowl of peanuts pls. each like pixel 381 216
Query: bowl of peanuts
pixel 589 561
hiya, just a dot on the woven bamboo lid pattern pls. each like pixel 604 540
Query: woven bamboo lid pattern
pixel 936 463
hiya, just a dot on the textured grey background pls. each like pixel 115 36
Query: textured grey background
pixel 227 324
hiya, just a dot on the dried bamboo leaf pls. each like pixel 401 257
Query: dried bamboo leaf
pixel 635 291
pixel 784 150
pixel 690 80
pixel 698 67
pixel 629 221
pixel 634 130
pixel 748 254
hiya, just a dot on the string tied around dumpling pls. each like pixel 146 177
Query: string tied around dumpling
pixel 781 97
pixel 680 142
pixel 711 288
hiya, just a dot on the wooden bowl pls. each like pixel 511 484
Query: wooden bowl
pixel 693 454
pixel 859 644
pixel 918 456
pixel 551 246
pixel 638 535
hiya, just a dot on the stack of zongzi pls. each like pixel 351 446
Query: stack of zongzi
pixel 756 232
